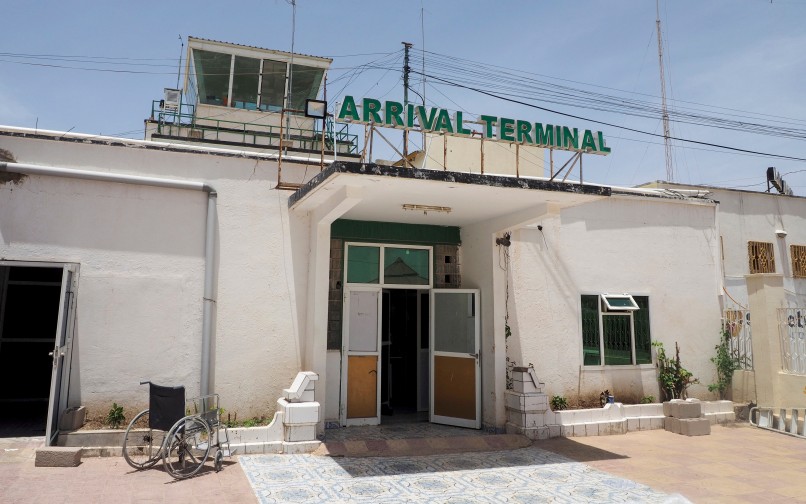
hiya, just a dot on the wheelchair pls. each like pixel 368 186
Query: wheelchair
pixel 180 432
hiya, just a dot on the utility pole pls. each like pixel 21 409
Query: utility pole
pixel 666 134
pixel 406 71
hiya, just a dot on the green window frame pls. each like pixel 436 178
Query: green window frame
pixel 390 265
pixel 615 335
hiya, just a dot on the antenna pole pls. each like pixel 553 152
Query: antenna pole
pixel 406 71
pixel 181 51
pixel 291 67
pixel 666 134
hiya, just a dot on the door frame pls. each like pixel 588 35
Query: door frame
pixel 458 422
pixel 379 287
pixel 62 352
pixel 376 420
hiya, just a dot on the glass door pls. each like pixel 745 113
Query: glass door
pixel 57 401
pixel 455 369
pixel 361 353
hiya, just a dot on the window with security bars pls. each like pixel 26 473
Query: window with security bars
pixel 613 336
pixel 798 253
pixel 761 257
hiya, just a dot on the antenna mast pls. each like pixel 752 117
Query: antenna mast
pixel 666 135
pixel 406 71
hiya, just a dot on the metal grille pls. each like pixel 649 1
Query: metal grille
pixel 792 330
pixel 761 257
pixel 798 253
pixel 590 330
pixel 617 339
pixel 643 341
pixel 737 323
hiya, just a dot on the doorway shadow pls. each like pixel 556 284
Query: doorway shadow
pixel 23 419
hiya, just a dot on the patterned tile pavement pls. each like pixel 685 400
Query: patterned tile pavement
pixel 527 475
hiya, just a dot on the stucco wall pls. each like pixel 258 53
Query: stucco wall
pixel 141 257
pixel 665 250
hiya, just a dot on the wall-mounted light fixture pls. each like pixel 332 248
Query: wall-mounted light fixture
pixel 780 232
pixel 426 208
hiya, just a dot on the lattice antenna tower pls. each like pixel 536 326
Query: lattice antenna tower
pixel 667 141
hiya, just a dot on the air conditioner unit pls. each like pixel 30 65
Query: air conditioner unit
pixel 172 99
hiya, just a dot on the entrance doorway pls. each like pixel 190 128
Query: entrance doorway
pixel 388 369
pixel 404 356
pixel 35 315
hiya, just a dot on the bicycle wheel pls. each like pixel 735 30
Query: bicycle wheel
pixel 188 447
pixel 141 445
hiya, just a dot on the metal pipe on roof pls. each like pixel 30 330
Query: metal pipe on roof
pixel 209 239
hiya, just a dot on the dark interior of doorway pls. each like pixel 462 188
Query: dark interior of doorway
pixel 399 373
pixel 29 312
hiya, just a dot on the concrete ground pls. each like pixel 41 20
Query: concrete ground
pixel 737 463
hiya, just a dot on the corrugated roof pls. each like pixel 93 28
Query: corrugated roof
pixel 260 48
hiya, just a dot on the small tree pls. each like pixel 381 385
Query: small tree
pixel 674 379
pixel 726 364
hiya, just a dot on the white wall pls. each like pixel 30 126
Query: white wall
pixel 747 216
pixel 665 250
pixel 141 253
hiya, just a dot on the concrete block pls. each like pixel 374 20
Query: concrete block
pixel 550 418
pixel 668 405
pixel 72 418
pixel 579 430
pixel 299 413
pixel 536 402
pixel 555 430
pixel 687 409
pixel 251 448
pixel 299 385
pixel 633 424
pixel 672 424
pixel 299 433
pixel 656 422
pixel 567 430
pixel 695 426
pixel 57 456
pixel 524 387
pixel 630 410
pixel 513 401
pixel 644 423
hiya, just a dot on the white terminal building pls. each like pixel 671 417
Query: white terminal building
pixel 243 241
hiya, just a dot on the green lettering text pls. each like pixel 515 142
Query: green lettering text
pixel 348 109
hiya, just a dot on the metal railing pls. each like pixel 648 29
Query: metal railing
pixel 792 332
pixel 171 122
pixel 766 418
pixel 737 324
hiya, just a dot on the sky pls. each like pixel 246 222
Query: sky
pixel 737 65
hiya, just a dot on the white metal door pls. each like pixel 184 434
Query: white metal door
pixel 361 357
pixel 455 365
pixel 57 400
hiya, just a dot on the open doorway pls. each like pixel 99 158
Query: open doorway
pixel 404 356
pixel 29 317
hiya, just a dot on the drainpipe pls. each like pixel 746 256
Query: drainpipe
pixel 209 240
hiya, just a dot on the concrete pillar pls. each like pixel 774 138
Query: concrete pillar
pixel 766 294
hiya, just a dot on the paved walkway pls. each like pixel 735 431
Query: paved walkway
pixel 734 464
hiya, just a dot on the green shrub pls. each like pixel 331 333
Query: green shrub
pixel 648 399
pixel 674 379
pixel 558 403
pixel 726 364
pixel 115 416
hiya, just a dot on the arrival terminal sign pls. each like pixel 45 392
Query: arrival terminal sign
pixel 392 114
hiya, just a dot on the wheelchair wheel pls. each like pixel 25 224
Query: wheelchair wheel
pixel 188 447
pixel 219 460
pixel 141 444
